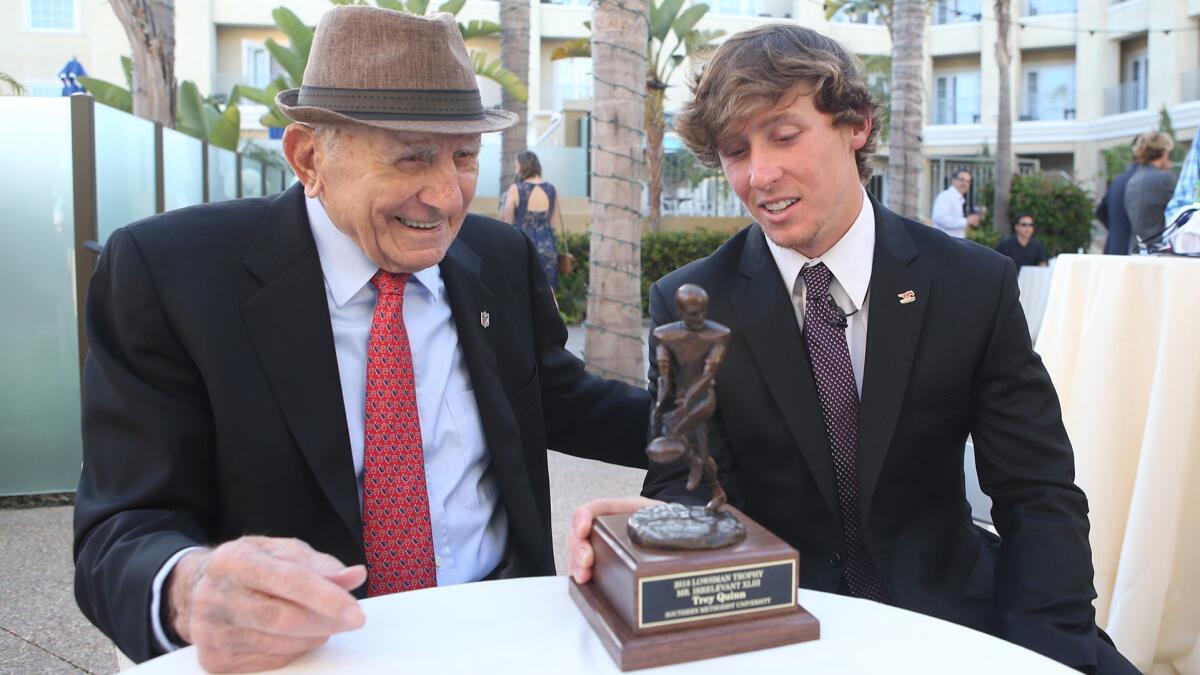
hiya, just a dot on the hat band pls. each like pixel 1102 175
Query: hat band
pixel 395 104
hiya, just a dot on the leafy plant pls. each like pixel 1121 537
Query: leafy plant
pixel 1061 210
pixel 17 88
pixel 195 114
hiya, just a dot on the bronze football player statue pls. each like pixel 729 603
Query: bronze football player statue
pixel 689 353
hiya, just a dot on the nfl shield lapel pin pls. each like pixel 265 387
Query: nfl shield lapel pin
pixel 485 319
pixel 907 297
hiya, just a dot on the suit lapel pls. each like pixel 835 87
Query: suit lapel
pixel 465 274
pixel 892 334
pixel 288 322
pixel 778 349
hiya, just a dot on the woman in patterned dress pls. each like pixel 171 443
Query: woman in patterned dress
pixel 531 204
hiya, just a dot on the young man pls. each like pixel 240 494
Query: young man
pixel 1021 246
pixel 842 430
pixel 356 368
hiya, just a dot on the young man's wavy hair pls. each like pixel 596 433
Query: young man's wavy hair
pixel 752 71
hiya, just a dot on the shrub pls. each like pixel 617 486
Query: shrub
pixel 662 253
pixel 1062 211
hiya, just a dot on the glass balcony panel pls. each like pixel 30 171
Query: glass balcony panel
pixel 252 183
pixel 183 170
pixel 124 169
pixel 222 174
pixel 39 348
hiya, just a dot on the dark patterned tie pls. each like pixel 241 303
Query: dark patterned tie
pixel 397 538
pixel 829 356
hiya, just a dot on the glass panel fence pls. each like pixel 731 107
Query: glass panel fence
pixel 222 174
pixel 124 169
pixel 274 179
pixel 252 171
pixel 183 170
pixel 40 448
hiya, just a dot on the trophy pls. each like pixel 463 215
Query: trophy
pixel 674 583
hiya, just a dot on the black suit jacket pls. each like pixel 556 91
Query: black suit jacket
pixel 213 409
pixel 957 361
pixel 1111 212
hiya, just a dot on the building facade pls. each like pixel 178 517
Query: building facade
pixel 1080 76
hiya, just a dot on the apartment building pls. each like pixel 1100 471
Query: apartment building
pixel 1086 74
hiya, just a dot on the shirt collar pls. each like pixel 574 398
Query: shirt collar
pixel 850 259
pixel 347 269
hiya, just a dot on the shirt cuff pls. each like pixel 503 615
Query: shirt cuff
pixel 160 635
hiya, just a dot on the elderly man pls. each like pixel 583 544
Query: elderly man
pixel 842 431
pixel 353 381
pixel 948 207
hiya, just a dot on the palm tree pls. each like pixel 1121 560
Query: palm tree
pixel 17 88
pixel 150 26
pixel 514 56
pixel 907 109
pixel 614 314
pixel 294 57
pixel 673 38
pixel 1002 181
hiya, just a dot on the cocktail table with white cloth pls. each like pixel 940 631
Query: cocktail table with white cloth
pixel 527 626
pixel 1121 339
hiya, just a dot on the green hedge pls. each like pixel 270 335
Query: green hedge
pixel 1062 212
pixel 662 253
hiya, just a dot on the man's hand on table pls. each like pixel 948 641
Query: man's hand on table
pixel 579 552
pixel 258 603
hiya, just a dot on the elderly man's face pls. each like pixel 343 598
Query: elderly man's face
pixel 401 196
pixel 795 171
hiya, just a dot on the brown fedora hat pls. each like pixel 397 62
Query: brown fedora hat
pixel 392 70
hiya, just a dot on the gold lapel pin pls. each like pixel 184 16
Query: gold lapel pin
pixel 485 319
pixel 907 297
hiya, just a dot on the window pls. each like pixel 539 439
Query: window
pixel 1136 84
pixel 956 98
pixel 844 16
pixel 256 64
pixel 957 11
pixel 51 15
pixel 572 81
pixel 1049 93
pixel 1040 7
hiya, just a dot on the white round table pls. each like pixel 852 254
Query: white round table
pixel 526 626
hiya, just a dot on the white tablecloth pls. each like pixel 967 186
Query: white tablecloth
pixel 526 626
pixel 1034 283
pixel 1121 339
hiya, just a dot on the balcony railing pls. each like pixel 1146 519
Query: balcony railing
pixel 1124 97
pixel 1041 7
pixel 1046 114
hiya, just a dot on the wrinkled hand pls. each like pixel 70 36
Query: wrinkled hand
pixel 580 555
pixel 258 603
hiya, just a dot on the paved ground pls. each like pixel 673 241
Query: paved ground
pixel 42 630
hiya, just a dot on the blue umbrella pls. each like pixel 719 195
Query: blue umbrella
pixel 69 75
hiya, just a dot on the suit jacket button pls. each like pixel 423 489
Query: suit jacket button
pixel 835 559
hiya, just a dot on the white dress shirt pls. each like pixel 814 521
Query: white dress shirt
pixel 850 260
pixel 470 528
pixel 948 212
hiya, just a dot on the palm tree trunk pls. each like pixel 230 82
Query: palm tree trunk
pixel 514 57
pixel 904 131
pixel 655 128
pixel 1004 159
pixel 614 317
pixel 150 26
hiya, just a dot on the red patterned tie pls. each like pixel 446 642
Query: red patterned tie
pixel 397 536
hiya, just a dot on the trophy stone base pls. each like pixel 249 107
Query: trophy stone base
pixel 655 607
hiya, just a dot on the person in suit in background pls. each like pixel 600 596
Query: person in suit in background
pixel 1111 213
pixel 351 381
pixel 844 437
pixel 1151 185
pixel 1021 246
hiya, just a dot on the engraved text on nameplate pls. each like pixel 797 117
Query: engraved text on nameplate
pixel 721 592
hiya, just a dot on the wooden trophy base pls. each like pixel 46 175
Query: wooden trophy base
pixel 655 607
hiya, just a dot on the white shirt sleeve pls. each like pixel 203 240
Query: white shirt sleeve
pixel 156 599
pixel 947 212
